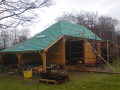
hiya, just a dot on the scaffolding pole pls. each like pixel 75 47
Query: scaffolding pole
pixel 107 51
pixel 97 52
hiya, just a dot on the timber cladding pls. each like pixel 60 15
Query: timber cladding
pixel 29 57
pixel 55 53
pixel 89 53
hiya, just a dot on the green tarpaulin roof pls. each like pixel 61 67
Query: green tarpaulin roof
pixel 48 36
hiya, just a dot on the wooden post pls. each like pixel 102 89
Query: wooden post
pixel 107 51
pixel 19 60
pixel 83 63
pixel 83 52
pixel 63 50
pixel 44 61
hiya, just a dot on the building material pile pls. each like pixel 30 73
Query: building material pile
pixel 54 77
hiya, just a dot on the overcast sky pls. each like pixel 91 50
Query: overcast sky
pixel 47 15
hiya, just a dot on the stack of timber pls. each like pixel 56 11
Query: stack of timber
pixel 54 77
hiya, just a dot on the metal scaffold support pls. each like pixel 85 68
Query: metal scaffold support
pixel 97 54
pixel 116 48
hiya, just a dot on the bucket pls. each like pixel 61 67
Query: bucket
pixel 79 62
pixel 27 74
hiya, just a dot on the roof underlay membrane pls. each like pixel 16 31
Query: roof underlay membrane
pixel 45 38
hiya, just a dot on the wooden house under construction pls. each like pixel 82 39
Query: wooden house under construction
pixel 62 43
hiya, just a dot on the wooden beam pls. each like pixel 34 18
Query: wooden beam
pixel 66 38
pixel 40 54
pixel 19 60
pixel 78 38
pixel 52 43
pixel 44 61
pixel 95 71
pixel 63 45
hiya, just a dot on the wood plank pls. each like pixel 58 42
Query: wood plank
pixel 54 81
pixel 47 80
pixel 94 71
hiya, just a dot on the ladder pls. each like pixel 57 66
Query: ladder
pixel 98 58
pixel 98 55
pixel 116 48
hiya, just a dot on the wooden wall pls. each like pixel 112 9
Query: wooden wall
pixel 89 54
pixel 56 53
pixel 29 57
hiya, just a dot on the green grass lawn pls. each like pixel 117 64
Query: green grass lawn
pixel 78 81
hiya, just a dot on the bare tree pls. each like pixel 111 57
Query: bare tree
pixel 87 19
pixel 106 25
pixel 16 12
pixel 19 35
pixel 4 38
pixel 24 35
pixel 12 37
pixel 101 25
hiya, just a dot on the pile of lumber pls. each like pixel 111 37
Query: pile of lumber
pixel 38 69
pixel 54 76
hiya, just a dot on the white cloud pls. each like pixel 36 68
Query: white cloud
pixel 47 16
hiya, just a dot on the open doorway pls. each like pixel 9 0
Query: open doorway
pixel 74 52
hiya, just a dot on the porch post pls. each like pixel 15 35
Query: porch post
pixel 63 61
pixel 44 61
pixel 19 60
